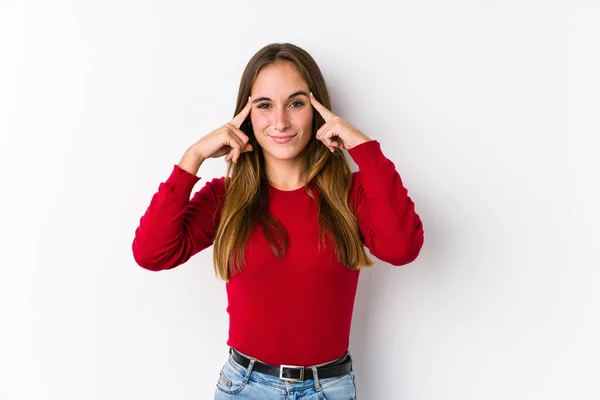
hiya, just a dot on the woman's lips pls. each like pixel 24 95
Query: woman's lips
pixel 282 139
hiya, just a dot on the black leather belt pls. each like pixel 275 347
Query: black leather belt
pixel 292 373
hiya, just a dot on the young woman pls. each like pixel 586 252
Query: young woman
pixel 289 223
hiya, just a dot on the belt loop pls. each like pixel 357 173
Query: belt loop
pixel 316 379
pixel 249 370
pixel 250 366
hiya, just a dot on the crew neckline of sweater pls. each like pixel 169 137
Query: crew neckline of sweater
pixel 287 192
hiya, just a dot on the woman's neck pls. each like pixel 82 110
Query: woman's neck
pixel 287 174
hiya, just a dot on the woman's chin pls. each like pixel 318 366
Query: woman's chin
pixel 283 153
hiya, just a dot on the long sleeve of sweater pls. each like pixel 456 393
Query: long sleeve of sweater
pixel 389 225
pixel 175 227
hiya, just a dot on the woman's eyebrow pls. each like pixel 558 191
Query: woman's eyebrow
pixel 299 92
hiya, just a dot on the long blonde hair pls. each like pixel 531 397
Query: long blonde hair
pixel 246 186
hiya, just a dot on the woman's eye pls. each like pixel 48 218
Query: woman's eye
pixel 267 105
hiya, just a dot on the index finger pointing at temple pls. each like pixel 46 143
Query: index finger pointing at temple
pixel 325 113
pixel 241 117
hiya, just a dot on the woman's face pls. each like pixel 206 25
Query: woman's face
pixel 281 112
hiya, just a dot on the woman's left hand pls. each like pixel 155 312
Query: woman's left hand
pixel 337 133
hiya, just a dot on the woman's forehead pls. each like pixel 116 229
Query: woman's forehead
pixel 278 81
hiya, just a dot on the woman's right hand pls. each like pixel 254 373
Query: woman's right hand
pixel 227 139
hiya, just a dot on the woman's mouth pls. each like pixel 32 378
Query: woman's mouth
pixel 282 139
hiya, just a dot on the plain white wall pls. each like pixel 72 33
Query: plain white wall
pixel 488 109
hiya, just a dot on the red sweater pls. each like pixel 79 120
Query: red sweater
pixel 296 310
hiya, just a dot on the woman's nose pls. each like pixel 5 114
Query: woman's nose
pixel 281 121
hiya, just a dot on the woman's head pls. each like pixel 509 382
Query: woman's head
pixel 281 125
pixel 273 74
pixel 281 112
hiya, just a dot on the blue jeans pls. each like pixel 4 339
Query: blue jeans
pixel 237 382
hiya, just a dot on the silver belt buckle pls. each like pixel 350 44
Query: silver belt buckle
pixel 301 379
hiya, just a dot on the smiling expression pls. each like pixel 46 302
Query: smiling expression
pixel 281 112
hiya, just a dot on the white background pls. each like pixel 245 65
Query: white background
pixel 489 110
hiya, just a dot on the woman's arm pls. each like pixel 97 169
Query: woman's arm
pixel 389 225
pixel 174 228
